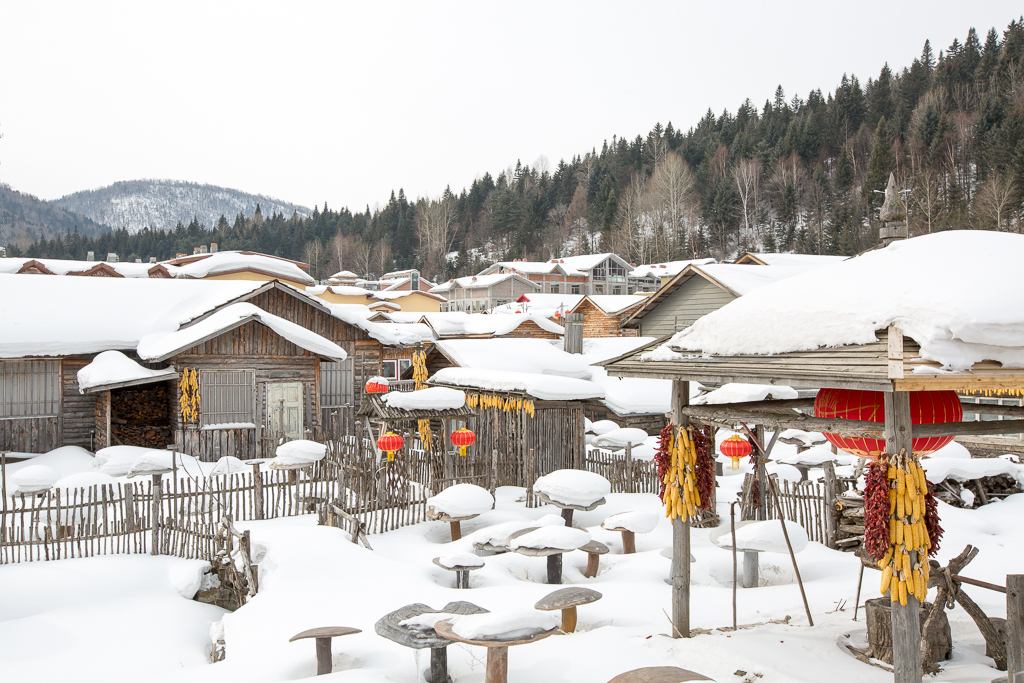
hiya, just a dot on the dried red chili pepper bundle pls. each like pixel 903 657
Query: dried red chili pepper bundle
pixel 931 520
pixel 876 509
pixel 705 466
pixel 662 458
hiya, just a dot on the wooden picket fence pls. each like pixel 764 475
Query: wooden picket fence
pixel 626 473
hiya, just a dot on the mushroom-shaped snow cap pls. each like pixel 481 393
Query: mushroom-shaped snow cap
pixel 229 464
pixel 602 427
pixel 637 522
pixel 762 536
pixel 499 626
pixel 459 561
pixel 588 426
pixel 461 500
pixel 546 538
pixel 35 478
pixel 620 438
pixel 573 596
pixel 300 452
pixel 82 480
pixel 576 488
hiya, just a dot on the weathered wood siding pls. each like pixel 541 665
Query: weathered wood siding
pixel 78 409
pixel 530 330
pixel 693 299
pixel 652 423
pixel 597 323
pixel 29 434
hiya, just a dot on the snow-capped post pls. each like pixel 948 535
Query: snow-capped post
pixel 680 531
pixel 1014 626
pixel 155 514
pixel 893 216
pixel 906 627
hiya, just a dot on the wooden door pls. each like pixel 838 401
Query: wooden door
pixel 284 410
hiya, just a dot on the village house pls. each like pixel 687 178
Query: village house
pixel 241 265
pixel 590 274
pixel 650 277
pixel 483 292
pixel 417 301
pixel 603 314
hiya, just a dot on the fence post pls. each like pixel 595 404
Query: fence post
pixel 129 508
pixel 529 482
pixel 257 491
pixel 1014 628
pixel 830 503
pixel 155 515
pixel 494 473
pixel 630 488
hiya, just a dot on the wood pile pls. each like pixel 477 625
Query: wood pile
pixel 141 417
pixel 976 492
pixel 850 522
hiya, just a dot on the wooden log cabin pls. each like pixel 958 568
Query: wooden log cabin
pixel 603 314
pixel 250 371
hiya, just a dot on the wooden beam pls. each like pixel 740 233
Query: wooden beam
pixel 784 406
pixel 968 428
pixel 960 382
pixel 724 414
pixel 680 532
pixel 987 409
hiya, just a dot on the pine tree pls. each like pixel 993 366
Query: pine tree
pixel 879 166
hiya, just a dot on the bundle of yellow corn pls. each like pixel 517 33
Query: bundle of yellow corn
pixel 189 400
pixel 905 564
pixel 681 495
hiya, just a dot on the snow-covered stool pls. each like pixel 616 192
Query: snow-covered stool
pixel 667 552
pixel 572 490
pixel 35 479
pixel 458 503
pixel 293 456
pixel 493 540
pixel 758 536
pixel 659 674
pixel 498 632
pixel 549 542
pixel 630 524
pixel 323 635
pixel 617 439
pixel 594 551
pixel 460 563
pixel 413 626
pixel 567 600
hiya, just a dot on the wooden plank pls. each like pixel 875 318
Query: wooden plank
pixel 969 428
pixel 1014 626
pixel 724 413
pixel 680 532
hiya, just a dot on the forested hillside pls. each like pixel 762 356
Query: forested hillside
pixel 794 173
pixel 24 218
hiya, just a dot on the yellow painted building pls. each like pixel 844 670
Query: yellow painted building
pixel 412 301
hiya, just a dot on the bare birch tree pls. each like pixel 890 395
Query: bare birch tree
pixel 748 183
pixel 436 229
pixel 994 198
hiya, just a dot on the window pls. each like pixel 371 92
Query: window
pixel 336 384
pixel 227 396
pixel 389 369
pixel 29 388
pixel 575 289
pixel 415 281
pixel 973 417
pixel 554 289
pixel 598 289
pixel 616 290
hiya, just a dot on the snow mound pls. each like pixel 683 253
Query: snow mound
pixel 117 460
pixel 460 560
pixel 813 457
pixel 637 522
pixel 588 426
pixel 83 480
pixel 35 478
pixel 602 427
pixel 229 464
pixel 765 536
pixel 557 537
pixel 573 487
pixel 784 472
pixel 620 438
pixel 300 452
pixel 959 469
pixel 462 500
pixel 434 398
pixel 425 622
pixel 152 462
pixel 739 393
pixel 510 625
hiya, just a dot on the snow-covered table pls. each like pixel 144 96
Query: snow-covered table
pixel 460 563
pixel 572 490
pixel 458 503
pixel 497 648
pixel 419 636
pixel 757 536
pixel 659 674
pixel 567 600
pixel 323 636
pixel 630 524
pixel 549 542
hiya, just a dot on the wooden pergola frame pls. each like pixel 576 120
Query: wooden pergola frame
pixel 892 365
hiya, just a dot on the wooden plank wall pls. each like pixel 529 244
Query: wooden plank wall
pixel 30 434
pixel 693 299
pixel 78 410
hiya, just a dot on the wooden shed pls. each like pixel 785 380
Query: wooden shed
pixel 603 315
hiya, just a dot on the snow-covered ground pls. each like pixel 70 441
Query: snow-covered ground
pixel 124 617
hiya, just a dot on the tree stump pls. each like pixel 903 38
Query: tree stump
pixel 879 622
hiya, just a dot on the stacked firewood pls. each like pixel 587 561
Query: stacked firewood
pixel 140 417
pixel 850 521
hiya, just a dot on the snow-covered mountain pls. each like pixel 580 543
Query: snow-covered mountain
pixel 136 204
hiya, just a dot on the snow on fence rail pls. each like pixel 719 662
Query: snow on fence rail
pixel 626 474
pixel 806 503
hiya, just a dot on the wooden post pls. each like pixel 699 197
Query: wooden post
pixel 732 529
pixel 129 508
pixel 494 474
pixel 155 515
pixel 829 468
pixel 438 664
pixel 529 482
pixel 497 664
pixel 761 474
pixel 324 656
pixel 680 532
pixel 1015 628
pixel 629 469
pixel 257 491
pixel 906 626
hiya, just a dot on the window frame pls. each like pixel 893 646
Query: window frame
pixel 208 401
pixel 21 399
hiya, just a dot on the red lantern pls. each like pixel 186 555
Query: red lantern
pixel 735 447
pixel 463 438
pixel 926 407
pixel 377 385
pixel 389 443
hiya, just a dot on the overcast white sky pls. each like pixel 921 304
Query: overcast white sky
pixel 315 101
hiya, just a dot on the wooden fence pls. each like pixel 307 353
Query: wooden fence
pixel 807 503
pixel 626 473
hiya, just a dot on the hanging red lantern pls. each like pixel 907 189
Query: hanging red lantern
pixel 463 438
pixel 735 447
pixel 389 443
pixel 377 385
pixel 926 407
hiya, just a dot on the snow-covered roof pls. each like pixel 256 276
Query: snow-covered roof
pixel 66 266
pixel 391 334
pixel 43 316
pixel 543 387
pixel 790 259
pixel 162 345
pixel 628 395
pixel 344 274
pixel 538 356
pixel 232 261
pixel 743 279
pixel 957 321
pixel 581 265
pixel 113 368
pixel 615 303
pixel 525 267
pixel 479 324
pixel 667 269
pixel 541 304
pixel 478 281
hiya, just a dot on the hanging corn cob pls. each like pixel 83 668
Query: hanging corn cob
pixel 188 402
pixel 681 495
